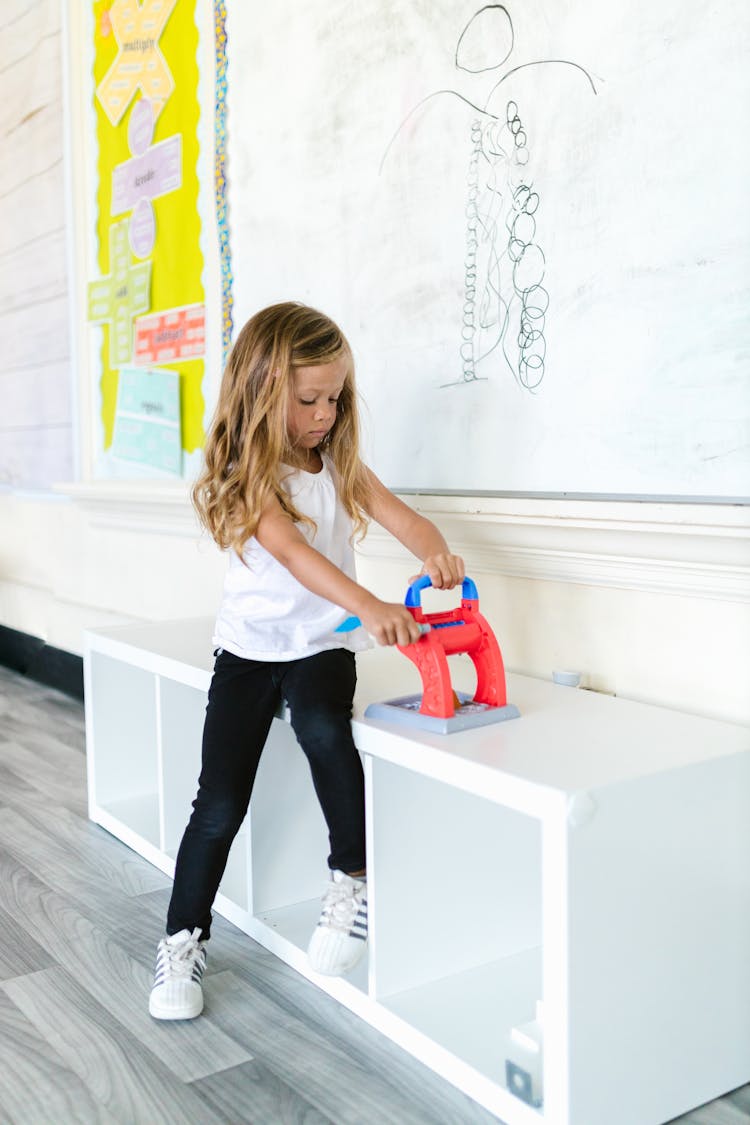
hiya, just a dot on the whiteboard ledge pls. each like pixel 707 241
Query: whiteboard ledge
pixel 614 497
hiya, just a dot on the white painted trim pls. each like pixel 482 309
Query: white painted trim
pixel 660 576
pixel 144 507
pixel 689 550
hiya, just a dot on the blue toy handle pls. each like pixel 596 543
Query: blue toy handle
pixel 414 593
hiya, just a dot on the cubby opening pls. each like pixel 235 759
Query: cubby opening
pixel 182 713
pixel 289 844
pixel 456 931
pixel 126 778
pixel 181 722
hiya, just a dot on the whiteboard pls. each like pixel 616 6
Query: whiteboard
pixel 530 220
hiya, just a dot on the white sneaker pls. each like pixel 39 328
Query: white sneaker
pixel 180 963
pixel 340 937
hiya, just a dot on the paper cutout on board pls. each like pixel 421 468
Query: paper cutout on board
pixel 167 336
pixel 147 419
pixel 139 64
pixel 117 297
pixel 153 171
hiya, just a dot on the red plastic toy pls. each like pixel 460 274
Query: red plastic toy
pixel 459 630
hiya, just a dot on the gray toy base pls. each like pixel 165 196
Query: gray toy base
pixel 405 711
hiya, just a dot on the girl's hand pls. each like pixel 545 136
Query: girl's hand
pixel 390 624
pixel 445 570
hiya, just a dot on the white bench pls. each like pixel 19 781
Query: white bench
pixel 593 854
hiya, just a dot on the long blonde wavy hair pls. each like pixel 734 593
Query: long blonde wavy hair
pixel 248 443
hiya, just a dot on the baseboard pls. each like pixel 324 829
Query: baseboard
pixel 34 658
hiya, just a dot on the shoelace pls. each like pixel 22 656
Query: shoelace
pixel 179 960
pixel 340 906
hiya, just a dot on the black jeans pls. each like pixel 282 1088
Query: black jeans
pixel 242 700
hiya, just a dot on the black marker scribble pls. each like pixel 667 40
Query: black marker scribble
pixel 505 302
pixel 509 312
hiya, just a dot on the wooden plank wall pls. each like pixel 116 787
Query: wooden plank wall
pixel 36 433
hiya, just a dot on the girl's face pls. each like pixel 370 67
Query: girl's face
pixel 311 412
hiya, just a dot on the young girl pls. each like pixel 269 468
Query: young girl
pixel 284 488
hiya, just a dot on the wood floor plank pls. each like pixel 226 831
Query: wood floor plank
pixel 68 712
pixel 18 793
pixel 291 993
pixel 191 1049
pixel 19 952
pixel 36 1087
pixel 58 772
pixel 74 855
pixel 136 923
pixel 31 702
pixel 291 998
pixel 117 1070
pixel 305 1058
pixel 254 1095
pixel 740 1099
pixel 31 718
pixel 720 1112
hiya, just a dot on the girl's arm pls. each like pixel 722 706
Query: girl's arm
pixel 418 534
pixel 389 623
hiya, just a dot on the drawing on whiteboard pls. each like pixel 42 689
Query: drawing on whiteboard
pixel 505 301
pixel 504 298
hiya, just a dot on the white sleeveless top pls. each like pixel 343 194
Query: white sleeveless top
pixel 265 613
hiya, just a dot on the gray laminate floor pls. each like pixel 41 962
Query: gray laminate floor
pixel 79 917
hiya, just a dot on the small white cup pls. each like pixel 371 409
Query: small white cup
pixel 567 679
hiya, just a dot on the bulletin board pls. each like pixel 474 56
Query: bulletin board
pixel 146 295
pixel 531 221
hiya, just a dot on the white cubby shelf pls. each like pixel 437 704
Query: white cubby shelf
pixel 593 854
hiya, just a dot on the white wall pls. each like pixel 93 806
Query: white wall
pixel 36 414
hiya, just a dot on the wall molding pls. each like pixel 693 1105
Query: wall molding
pixel 147 508
pixel 688 550
pixel 691 550
pixel 657 576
